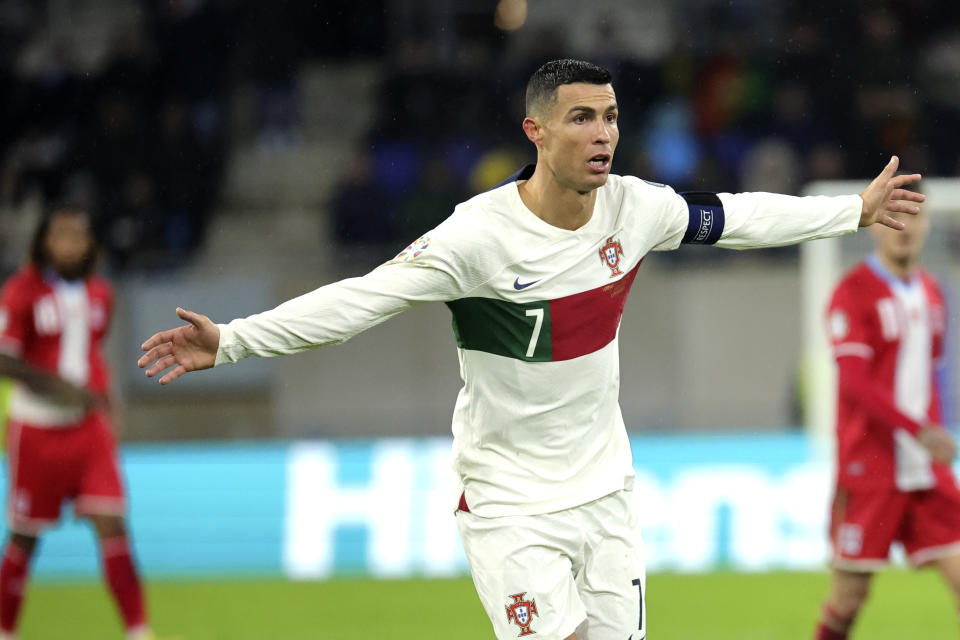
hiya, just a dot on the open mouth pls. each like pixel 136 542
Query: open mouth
pixel 599 162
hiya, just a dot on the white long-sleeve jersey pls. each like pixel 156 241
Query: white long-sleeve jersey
pixel 536 313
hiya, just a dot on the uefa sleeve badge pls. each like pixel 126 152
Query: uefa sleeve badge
pixel 413 250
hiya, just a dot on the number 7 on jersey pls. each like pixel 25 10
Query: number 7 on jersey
pixel 537 325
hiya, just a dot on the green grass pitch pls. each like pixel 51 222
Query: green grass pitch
pixel 719 606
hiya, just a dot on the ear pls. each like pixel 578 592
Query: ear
pixel 533 129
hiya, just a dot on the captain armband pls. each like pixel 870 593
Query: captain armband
pixel 706 217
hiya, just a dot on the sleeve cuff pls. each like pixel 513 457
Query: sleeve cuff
pixel 858 349
pixel 856 210
pixel 226 349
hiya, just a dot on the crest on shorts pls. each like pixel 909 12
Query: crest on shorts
pixel 21 502
pixel 610 255
pixel 850 539
pixel 521 612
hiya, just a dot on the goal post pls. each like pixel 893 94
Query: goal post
pixel 823 262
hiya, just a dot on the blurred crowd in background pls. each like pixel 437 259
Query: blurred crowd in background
pixel 744 95
pixel 124 107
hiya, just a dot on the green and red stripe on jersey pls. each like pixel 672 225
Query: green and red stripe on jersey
pixel 543 330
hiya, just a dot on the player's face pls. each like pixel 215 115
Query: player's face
pixel 905 246
pixel 68 242
pixel 581 134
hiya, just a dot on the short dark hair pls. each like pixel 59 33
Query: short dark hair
pixel 542 86
pixel 38 252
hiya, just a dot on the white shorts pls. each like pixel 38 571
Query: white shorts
pixel 579 570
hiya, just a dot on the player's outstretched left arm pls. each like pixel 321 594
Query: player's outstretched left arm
pixel 758 220
pixel 191 347
pixel 886 195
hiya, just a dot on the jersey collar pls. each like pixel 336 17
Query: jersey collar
pixel 893 281
pixel 54 279
pixel 525 173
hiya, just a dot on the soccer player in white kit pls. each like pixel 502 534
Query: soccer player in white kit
pixel 536 274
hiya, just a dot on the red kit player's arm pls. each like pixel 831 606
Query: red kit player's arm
pixel 16 302
pixel 857 385
pixel 41 382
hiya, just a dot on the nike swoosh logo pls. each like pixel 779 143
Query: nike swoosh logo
pixel 521 287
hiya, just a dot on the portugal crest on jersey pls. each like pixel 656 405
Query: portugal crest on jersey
pixel 521 612
pixel 610 255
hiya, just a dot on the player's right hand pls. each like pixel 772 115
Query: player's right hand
pixel 939 442
pixel 188 348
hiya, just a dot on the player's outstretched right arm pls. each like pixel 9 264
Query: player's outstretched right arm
pixel 188 348
pixel 448 263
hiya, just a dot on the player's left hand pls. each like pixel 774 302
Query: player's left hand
pixel 886 195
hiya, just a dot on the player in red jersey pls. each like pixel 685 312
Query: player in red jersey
pixel 54 314
pixel 887 322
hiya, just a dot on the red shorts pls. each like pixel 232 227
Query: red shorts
pixel 865 523
pixel 48 466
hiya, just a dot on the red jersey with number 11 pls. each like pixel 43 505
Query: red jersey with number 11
pixel 887 335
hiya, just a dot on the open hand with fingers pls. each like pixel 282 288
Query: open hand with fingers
pixel 188 348
pixel 886 195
